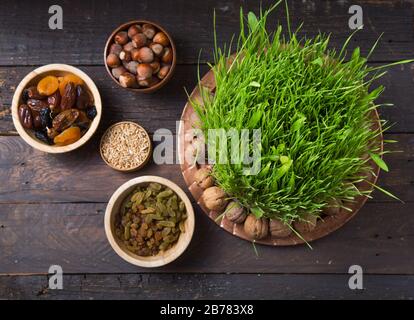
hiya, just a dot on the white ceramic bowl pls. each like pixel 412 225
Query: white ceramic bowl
pixel 32 79
pixel 113 208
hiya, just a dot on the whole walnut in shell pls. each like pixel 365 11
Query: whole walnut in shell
pixel 279 229
pixel 306 224
pixel 203 178
pixel 235 212
pixel 256 228
pixel 214 199
pixel 333 207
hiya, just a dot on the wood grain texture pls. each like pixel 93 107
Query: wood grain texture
pixel 35 236
pixel 82 176
pixel 163 109
pixel 87 24
pixel 51 207
pixel 207 286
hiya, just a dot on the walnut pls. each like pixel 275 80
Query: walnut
pixel 256 228
pixel 279 229
pixel 333 207
pixel 235 212
pixel 306 224
pixel 214 198
pixel 203 178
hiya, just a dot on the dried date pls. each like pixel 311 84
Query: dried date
pixel 54 102
pixel 37 120
pixel 25 115
pixel 65 119
pixel 37 105
pixel 32 93
pixel 69 97
pixel 83 98
pixel 83 122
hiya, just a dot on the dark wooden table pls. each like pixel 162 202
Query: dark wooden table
pixel 52 206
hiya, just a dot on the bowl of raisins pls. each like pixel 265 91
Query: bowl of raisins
pixel 149 221
pixel 56 108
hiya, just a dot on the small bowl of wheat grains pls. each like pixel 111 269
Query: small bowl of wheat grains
pixel 125 146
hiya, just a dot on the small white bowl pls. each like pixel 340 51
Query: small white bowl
pixel 33 78
pixel 163 258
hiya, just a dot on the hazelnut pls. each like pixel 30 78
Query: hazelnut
pixel 306 224
pixel 167 56
pixel 117 72
pixel 214 198
pixel 131 66
pixel 139 40
pixel 127 80
pixel 135 54
pixel 203 178
pixel 256 228
pixel 279 229
pixel 145 55
pixel 333 207
pixel 163 71
pixel 128 47
pixel 148 82
pixel 115 49
pixel 235 212
pixel 145 82
pixel 112 60
pixel 144 71
pixel 133 30
pixel 155 65
pixel 121 38
pixel 148 30
pixel 125 56
pixel 161 38
pixel 157 48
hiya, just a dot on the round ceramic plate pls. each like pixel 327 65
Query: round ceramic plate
pixel 325 226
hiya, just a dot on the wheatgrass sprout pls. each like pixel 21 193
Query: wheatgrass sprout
pixel 313 106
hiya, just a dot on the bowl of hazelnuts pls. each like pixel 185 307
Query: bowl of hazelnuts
pixel 140 55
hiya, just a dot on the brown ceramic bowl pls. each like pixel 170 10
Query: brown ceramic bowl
pixel 124 27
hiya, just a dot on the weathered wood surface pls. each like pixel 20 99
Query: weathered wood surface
pixel 163 108
pixel 51 207
pixel 207 286
pixel 25 38
pixel 34 236
pixel 82 176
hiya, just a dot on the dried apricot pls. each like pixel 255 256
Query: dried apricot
pixel 63 81
pixel 48 85
pixel 70 135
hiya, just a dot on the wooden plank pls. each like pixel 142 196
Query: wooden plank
pixel 35 236
pixel 87 24
pixel 207 286
pixel 153 111
pixel 82 176
pixel 163 109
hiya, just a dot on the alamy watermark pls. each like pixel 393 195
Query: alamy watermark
pixel 56 20
pixel 356 20
pixel 355 282
pixel 232 146
pixel 55 277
